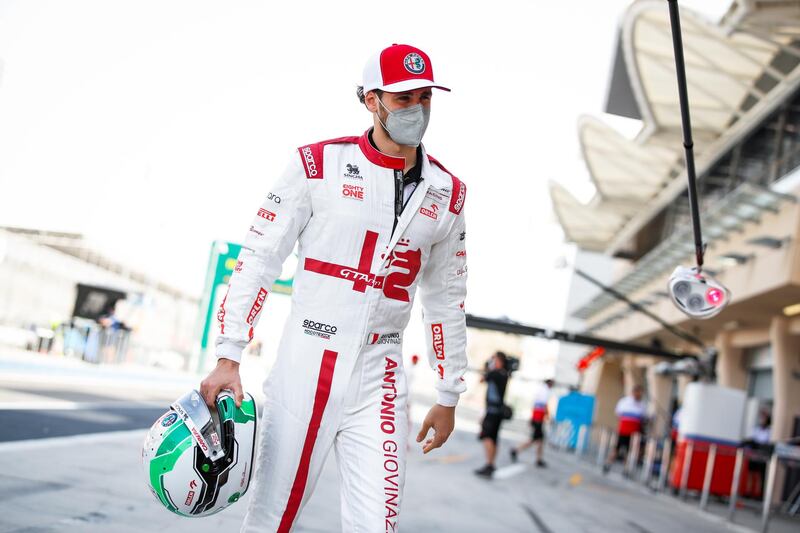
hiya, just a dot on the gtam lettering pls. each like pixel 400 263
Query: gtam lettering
pixel 353 275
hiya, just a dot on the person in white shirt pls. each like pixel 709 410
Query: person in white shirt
pixel 631 415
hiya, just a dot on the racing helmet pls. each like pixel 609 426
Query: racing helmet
pixel 199 461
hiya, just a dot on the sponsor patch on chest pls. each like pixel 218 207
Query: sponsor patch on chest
pixel 352 192
pixel 430 210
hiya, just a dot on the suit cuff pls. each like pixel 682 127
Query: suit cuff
pixel 229 350
pixel 448 399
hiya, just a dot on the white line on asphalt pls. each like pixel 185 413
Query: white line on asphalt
pixel 56 405
pixel 72 440
pixel 509 471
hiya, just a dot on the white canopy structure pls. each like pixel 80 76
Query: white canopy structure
pixel 734 69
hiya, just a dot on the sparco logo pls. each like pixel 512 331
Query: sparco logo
pixel 311 165
pixel 257 305
pixel 462 191
pixel 438 340
pixel 318 329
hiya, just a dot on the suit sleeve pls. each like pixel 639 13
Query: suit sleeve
pixel 443 289
pixel 275 228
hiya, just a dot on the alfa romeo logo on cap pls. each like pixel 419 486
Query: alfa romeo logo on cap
pixel 414 63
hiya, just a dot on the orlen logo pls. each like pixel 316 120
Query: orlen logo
pixel 461 253
pixel 431 213
pixel 352 191
pixel 311 165
pixel 257 305
pixel 200 440
pixel 266 215
pixel 438 340
pixel 189 498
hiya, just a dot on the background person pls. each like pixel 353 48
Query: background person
pixel 760 448
pixel 539 416
pixel 631 416
pixel 496 379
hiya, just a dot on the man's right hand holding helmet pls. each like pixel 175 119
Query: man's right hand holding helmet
pixel 224 376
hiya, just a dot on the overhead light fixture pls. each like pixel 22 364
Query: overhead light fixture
pixel 769 242
pixel 791 310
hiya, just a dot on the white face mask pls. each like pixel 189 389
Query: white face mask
pixel 406 126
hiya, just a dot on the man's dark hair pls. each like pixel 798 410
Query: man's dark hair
pixel 503 359
pixel 361 95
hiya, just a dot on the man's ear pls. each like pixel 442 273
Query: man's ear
pixel 371 101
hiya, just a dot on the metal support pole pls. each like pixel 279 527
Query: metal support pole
pixel 603 448
pixel 708 476
pixel 737 476
pixel 686 123
pixel 687 464
pixel 564 436
pixel 579 442
pixel 633 454
pixel 768 489
pixel 649 458
pixel 666 456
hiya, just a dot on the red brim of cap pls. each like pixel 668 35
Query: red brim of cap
pixel 409 85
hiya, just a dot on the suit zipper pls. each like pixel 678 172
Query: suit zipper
pixel 398 197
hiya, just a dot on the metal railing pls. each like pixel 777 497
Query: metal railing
pixel 650 461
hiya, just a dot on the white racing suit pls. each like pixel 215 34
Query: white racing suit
pixel 338 379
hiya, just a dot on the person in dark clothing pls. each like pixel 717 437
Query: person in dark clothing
pixel 496 379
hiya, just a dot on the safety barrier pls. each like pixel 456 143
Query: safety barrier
pixel 93 343
pixel 652 463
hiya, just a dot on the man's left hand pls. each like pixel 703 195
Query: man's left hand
pixel 442 420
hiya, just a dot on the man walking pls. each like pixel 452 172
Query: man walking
pixel 539 416
pixel 496 379
pixel 374 217
pixel 631 414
